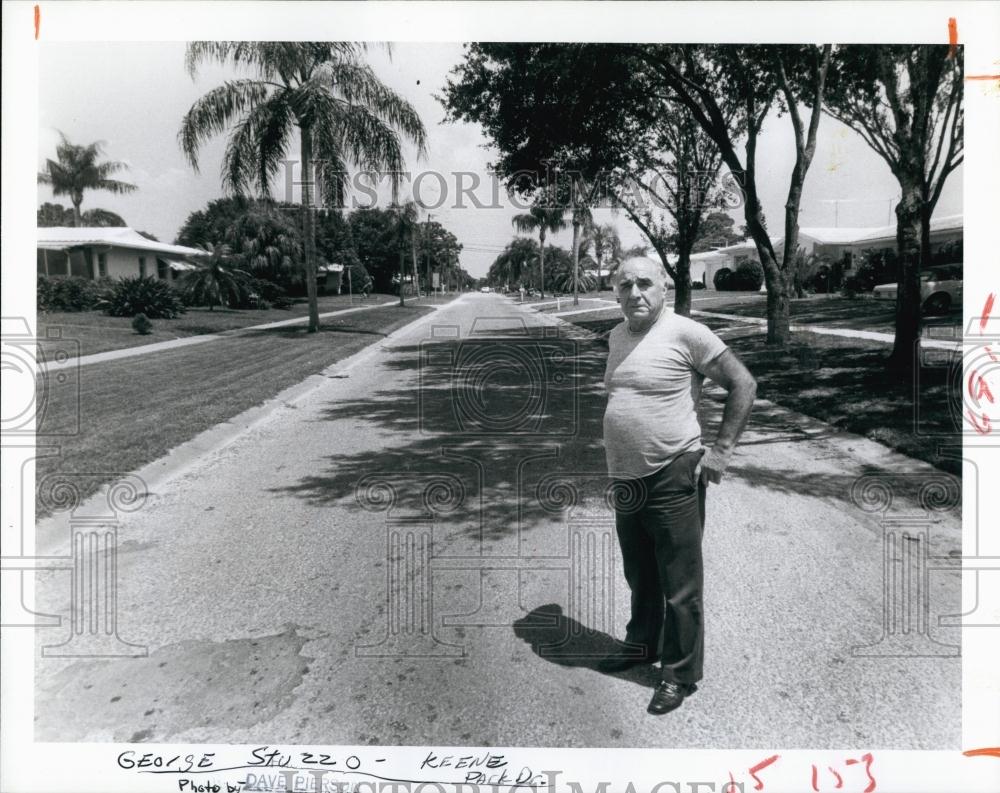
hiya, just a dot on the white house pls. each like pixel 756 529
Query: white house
pixel 835 244
pixel 114 252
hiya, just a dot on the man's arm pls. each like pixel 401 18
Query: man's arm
pixel 727 371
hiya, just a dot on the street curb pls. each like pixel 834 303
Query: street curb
pixel 179 460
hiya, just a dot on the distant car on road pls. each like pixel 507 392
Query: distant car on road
pixel 940 289
pixel 486 289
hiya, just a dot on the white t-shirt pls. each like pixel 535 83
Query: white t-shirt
pixel 653 380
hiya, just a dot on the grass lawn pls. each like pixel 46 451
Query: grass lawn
pixel 845 383
pixel 133 411
pixel 97 332
pixel 831 311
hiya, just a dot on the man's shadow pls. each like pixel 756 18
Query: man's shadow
pixel 562 640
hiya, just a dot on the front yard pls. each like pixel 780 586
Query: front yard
pixel 133 411
pixel 96 332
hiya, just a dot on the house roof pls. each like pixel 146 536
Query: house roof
pixel 945 223
pixel 845 235
pixel 63 237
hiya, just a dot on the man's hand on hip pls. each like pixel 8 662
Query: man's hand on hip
pixel 712 466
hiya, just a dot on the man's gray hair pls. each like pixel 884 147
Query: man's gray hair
pixel 656 265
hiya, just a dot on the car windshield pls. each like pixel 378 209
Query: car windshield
pixel 942 274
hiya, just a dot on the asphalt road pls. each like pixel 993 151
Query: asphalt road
pixel 418 552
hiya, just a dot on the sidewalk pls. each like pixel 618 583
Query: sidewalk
pixel 848 333
pixel 146 349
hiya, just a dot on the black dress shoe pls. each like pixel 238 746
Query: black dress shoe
pixel 619 662
pixel 668 696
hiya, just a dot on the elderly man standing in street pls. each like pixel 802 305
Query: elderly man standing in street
pixel 656 364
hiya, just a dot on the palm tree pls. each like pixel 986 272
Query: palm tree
pixel 543 219
pixel 217 281
pixel 343 112
pixel 76 169
pixel 266 243
pixel 57 215
pixel 606 242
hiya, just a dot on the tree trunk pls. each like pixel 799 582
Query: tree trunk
pixel 402 273
pixel 776 280
pixel 576 262
pixel 682 280
pixel 413 251
pixel 541 262
pixel 77 214
pixel 308 229
pixel 909 232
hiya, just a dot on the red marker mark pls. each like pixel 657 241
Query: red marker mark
pixel 982 77
pixel 989 352
pixel 983 388
pixel 987 310
pixel 986 751
pixel 952 36
pixel 758 785
pixel 840 779
pixel 38 21
pixel 867 759
pixel 814 780
pixel 982 429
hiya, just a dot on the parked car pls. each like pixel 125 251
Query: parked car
pixel 485 289
pixel 940 289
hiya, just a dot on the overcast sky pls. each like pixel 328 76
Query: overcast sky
pixel 133 96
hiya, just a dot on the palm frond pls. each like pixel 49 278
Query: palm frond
pixel 215 111
pixel 256 147
pixel 359 85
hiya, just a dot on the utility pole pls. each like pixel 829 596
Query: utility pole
pixel 427 252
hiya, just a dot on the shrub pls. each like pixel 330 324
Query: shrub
pixel 721 280
pixel 697 285
pixel 69 294
pixel 142 325
pixel 749 276
pixel 150 296
pixel 264 294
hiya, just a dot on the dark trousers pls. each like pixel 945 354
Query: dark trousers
pixel 660 538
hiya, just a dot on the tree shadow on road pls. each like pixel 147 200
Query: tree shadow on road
pixel 466 431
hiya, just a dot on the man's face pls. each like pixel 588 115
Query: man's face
pixel 642 290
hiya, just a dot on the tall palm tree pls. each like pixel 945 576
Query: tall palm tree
pixel 541 218
pixel 217 281
pixel 76 169
pixel 344 115
pixel 606 243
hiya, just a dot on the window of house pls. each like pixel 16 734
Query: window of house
pixel 162 270
pixel 102 265
pixel 142 266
